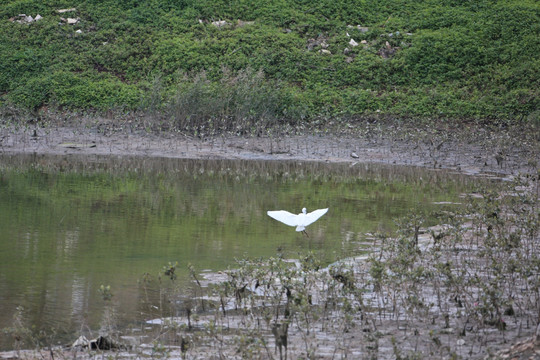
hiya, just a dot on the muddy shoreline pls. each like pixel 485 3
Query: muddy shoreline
pixel 480 153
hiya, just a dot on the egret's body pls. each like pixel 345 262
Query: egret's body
pixel 300 221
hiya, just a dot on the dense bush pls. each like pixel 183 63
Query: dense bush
pixel 450 59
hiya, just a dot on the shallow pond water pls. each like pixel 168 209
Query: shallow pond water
pixel 71 224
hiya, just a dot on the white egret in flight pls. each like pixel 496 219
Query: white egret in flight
pixel 300 221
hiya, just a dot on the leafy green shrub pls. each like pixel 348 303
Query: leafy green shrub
pixel 102 94
pixel 18 65
pixel 442 56
pixel 33 94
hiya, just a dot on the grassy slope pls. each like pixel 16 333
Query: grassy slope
pixel 464 59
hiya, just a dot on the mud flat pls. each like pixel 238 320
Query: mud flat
pixel 477 151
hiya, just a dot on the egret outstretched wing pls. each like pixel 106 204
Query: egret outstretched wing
pixel 313 216
pixel 284 216
pixel 300 221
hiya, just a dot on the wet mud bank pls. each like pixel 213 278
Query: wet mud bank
pixel 480 153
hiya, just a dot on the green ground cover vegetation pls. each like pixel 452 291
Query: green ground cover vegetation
pixel 274 61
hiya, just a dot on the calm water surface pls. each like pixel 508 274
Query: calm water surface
pixel 71 224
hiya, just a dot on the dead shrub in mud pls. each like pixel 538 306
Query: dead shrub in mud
pixel 242 103
pixel 472 285
pixel 275 306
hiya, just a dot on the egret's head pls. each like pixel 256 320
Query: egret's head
pixel 304 210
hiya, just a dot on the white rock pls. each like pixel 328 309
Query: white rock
pixel 38 17
pixel 359 27
pixel 354 155
pixel 363 42
pixel 60 11
pixel 353 43
pixel 82 341
pixel 79 31
pixel 72 21
pixel 220 23
pixel 326 52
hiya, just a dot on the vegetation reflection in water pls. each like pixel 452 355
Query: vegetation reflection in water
pixel 71 224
